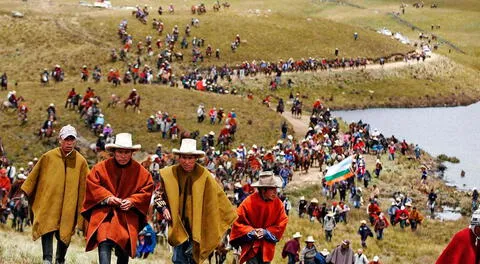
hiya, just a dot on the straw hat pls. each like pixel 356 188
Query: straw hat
pixel 310 239
pixel 267 179
pixel 297 235
pixel 123 141
pixel 188 147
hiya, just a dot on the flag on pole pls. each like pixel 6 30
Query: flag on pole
pixel 340 171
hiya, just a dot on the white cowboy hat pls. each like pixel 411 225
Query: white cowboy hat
pixel 267 179
pixel 310 239
pixel 302 198
pixel 123 141
pixel 211 133
pixel 376 258
pixel 297 235
pixel 188 147
pixel 21 176
pixel 314 200
pixel 363 222
pixel 324 252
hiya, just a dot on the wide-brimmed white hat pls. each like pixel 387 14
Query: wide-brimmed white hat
pixel 267 179
pixel 310 239
pixel 188 147
pixel 297 235
pixel 21 176
pixel 324 252
pixel 314 200
pixel 123 141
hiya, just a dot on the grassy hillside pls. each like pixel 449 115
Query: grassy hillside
pixel 22 145
pixel 62 32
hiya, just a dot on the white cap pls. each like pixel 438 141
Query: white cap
pixel 67 131
pixel 376 258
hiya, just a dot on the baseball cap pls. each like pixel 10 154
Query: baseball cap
pixel 67 131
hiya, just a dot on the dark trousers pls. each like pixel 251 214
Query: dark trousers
pixel 105 253
pixel 182 254
pixel 291 258
pixel 257 260
pixel 47 248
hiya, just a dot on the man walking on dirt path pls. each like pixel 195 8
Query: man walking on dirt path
pixel 116 204
pixel 196 207
pixel 55 188
pixel 261 221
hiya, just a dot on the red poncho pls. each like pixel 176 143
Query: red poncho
pixel 5 183
pixel 254 213
pixel 461 249
pixel 106 179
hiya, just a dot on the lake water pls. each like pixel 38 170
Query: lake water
pixel 453 131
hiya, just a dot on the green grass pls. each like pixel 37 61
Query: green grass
pixel 61 32
pixel 175 101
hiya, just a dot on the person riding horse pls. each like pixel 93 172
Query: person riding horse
pixel 133 100
pixel 12 99
pixel 280 106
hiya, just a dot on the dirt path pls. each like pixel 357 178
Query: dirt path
pixel 300 126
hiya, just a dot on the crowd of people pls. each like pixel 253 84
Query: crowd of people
pixel 241 187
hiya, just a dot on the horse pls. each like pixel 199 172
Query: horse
pixel 224 142
pixel 44 78
pixel 135 102
pixel 216 7
pixel 297 110
pixel 73 102
pixel 114 100
pixel 178 56
pixel 305 162
pixel 317 156
pixel 280 108
pixel 220 252
pixel 187 134
pixel 8 105
pixel 20 213
pixel 22 114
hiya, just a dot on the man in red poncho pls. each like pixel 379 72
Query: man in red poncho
pixel 116 202
pixel 261 221
pixel 464 248
pixel 4 181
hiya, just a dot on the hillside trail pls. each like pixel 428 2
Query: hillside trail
pixel 300 127
pixel 314 175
